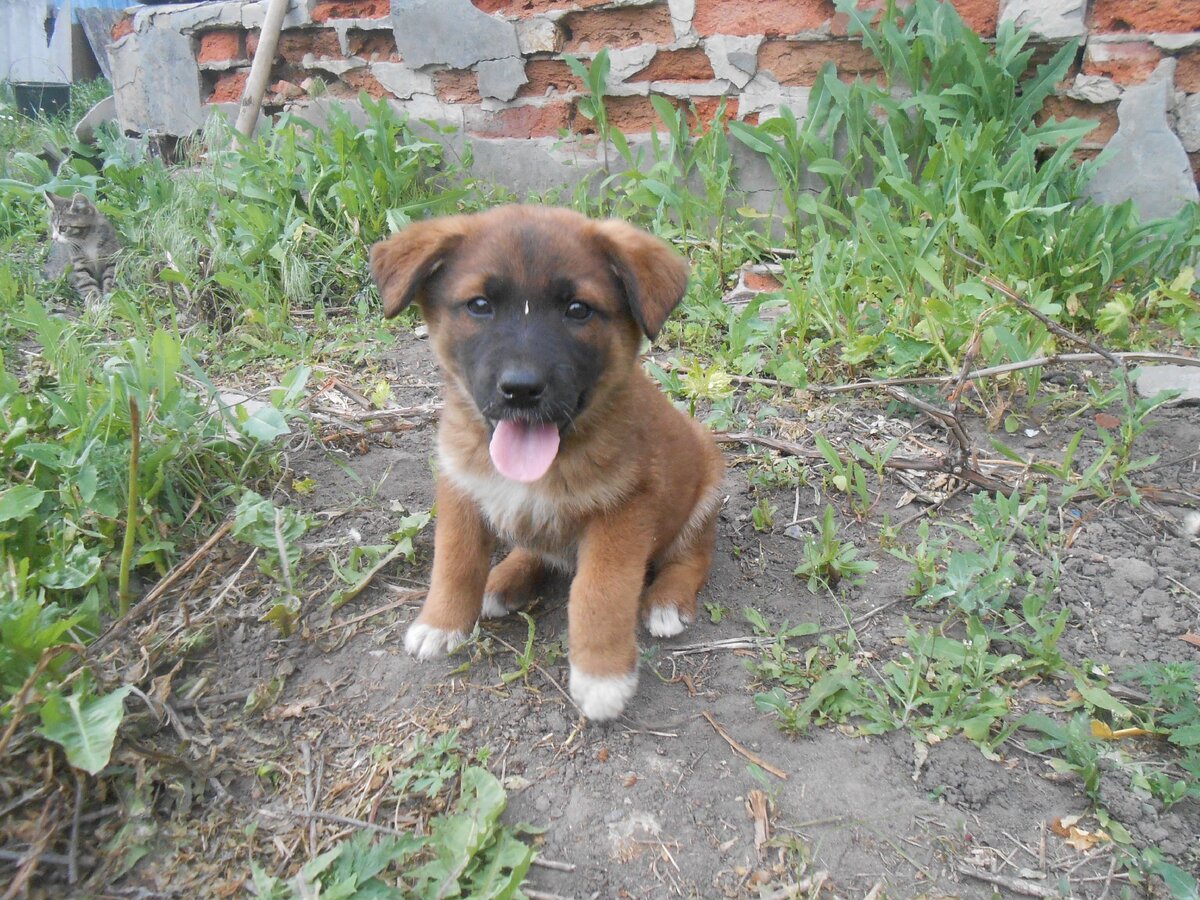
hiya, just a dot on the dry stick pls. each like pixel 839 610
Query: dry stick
pixel 553 864
pixel 1017 885
pixel 743 751
pixel 260 69
pixel 408 597
pixel 279 813
pixel 159 589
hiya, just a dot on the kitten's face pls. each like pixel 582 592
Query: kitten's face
pixel 71 220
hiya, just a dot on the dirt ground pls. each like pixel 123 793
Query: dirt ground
pixel 658 803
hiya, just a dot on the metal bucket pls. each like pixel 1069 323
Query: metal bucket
pixel 40 98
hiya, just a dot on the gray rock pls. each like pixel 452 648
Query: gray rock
pixel 156 82
pixel 1138 573
pixel 500 79
pixel 538 35
pixel 402 80
pixel 1094 89
pixel 104 111
pixel 1153 380
pixel 1050 20
pixel 450 32
pixel 734 59
pixel 1145 162
pixel 1187 123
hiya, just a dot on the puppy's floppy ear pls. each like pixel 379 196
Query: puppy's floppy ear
pixel 654 275
pixel 402 263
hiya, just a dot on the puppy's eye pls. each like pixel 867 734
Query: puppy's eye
pixel 578 310
pixel 479 307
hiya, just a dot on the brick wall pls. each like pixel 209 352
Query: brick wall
pixel 495 67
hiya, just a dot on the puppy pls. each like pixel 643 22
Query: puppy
pixel 552 438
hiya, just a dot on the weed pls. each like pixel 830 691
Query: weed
pixel 762 515
pixel 829 561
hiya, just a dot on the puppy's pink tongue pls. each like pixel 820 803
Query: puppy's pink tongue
pixel 523 452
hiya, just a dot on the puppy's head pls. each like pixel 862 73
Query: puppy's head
pixel 535 313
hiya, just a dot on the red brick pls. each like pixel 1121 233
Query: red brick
pixel 1127 63
pixel 373 45
pixel 622 27
pixel 761 281
pixel 351 9
pixel 1066 108
pixel 798 62
pixel 528 121
pixel 228 87
pixel 677 65
pixel 523 9
pixel 705 109
pixel 457 86
pixel 774 18
pixel 1187 72
pixel 980 15
pixel 123 26
pixel 1145 15
pixel 223 45
pixel 1195 160
pixel 629 114
pixel 839 27
pixel 365 81
pixel 322 43
pixel 549 76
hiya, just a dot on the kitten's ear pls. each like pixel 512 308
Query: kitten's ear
pixel 80 203
pixel 54 201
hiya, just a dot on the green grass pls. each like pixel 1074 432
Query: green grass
pixel 896 217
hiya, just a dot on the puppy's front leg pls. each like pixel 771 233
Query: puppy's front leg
pixel 462 550
pixel 603 613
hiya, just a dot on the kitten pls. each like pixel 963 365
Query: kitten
pixel 91 246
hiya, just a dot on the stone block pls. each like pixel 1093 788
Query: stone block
pixel 763 96
pixel 1094 89
pixel 400 80
pixel 450 32
pixel 1153 380
pixel 539 35
pixel 1049 20
pixel 1145 161
pixel 1187 124
pixel 500 79
pixel 734 59
pixel 156 82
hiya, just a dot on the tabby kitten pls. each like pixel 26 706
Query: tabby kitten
pixel 91 243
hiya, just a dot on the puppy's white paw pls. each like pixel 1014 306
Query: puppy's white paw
pixel 493 606
pixel 426 642
pixel 602 698
pixel 665 621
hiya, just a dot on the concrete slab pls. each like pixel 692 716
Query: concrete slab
pixel 450 32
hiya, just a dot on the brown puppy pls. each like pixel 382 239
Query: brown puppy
pixel 552 437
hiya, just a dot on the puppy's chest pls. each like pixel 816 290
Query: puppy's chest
pixel 527 515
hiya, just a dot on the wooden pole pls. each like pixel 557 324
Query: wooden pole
pixel 260 69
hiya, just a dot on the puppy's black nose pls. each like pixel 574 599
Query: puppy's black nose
pixel 521 387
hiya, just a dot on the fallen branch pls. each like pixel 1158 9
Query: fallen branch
pixel 1017 885
pixel 744 751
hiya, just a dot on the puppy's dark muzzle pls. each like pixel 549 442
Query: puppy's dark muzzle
pixel 521 388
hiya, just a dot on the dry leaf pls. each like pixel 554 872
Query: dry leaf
pixel 1193 639
pixel 1107 421
pixel 1102 731
pixel 291 710
pixel 602 755
pixel 630 780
